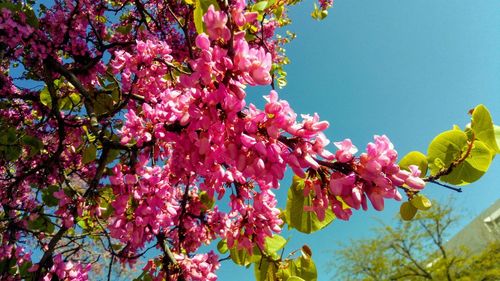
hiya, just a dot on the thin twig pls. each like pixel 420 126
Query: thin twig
pixel 457 189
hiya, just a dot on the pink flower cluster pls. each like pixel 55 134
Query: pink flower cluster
pixel 67 270
pixel 200 267
pixel 254 63
pixel 172 101
pixel 14 253
pixel 252 224
pixel 325 4
pixel 14 33
pixel 144 203
pixel 375 174
pixel 239 15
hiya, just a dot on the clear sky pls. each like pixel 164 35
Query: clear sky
pixel 407 69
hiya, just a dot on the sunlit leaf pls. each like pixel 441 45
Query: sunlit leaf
pixel 259 6
pixel 407 211
pixel 421 202
pixel 243 257
pixel 222 246
pixel 497 134
pixel 473 167
pixel 446 148
pixel 414 158
pixel 45 98
pixel 304 268
pixel 296 217
pixel 274 243
pixel 265 270
pixel 294 278
pixel 482 125
pixel 89 153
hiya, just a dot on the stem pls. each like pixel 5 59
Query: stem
pixel 457 189
pixel 454 164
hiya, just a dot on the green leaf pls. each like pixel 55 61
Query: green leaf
pixel 294 278
pixel 89 153
pixel 82 223
pixel 414 158
pixel 90 136
pixel 124 29
pixel 208 202
pixel 318 14
pixel 103 104
pixel 242 256
pixel 23 268
pixel 259 6
pixel 48 195
pixel 112 155
pixel 274 244
pixel 222 247
pixel 474 166
pixel 446 148
pixel 304 268
pixel 497 134
pixel 107 196
pixel 482 126
pixel 35 144
pixel 41 223
pixel 45 98
pixel 12 153
pixel 70 101
pixel 198 17
pixel 296 217
pixel 10 137
pixel 266 270
pixel 31 18
pixel 407 211
pixel 421 202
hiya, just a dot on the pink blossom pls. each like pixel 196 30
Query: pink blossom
pixel 215 23
pixel 346 150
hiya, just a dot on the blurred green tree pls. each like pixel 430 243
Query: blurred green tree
pixel 415 250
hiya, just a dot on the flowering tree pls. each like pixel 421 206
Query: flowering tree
pixel 124 124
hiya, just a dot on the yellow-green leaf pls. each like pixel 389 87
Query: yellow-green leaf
pixel 89 153
pixel 222 246
pixel 414 158
pixel 294 278
pixel 259 6
pixel 266 270
pixel 474 166
pixel 296 217
pixel 45 98
pixel 497 134
pixel 421 202
pixel 407 211
pixel 482 126
pixel 446 148
pixel 243 257
pixel 274 244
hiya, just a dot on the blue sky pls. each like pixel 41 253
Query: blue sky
pixel 407 69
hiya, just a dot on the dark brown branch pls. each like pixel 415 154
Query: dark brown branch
pixel 81 89
pixel 48 254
